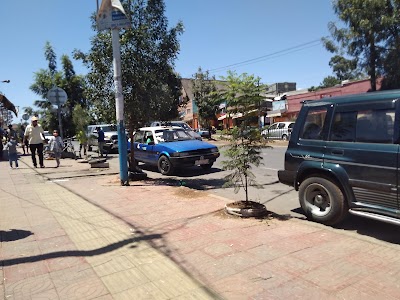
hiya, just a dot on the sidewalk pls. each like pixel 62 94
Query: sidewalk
pixel 90 238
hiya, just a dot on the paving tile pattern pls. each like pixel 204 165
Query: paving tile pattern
pixel 90 238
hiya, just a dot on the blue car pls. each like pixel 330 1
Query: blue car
pixel 169 148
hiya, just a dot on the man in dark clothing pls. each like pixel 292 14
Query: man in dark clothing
pixel 100 140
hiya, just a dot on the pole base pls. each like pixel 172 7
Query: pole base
pixel 136 175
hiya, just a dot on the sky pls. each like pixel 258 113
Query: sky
pixel 279 41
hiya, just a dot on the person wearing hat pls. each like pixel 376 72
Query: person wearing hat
pixel 34 133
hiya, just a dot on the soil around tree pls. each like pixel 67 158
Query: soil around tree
pixel 246 209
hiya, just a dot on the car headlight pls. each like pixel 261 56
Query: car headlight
pixel 213 150
pixel 180 154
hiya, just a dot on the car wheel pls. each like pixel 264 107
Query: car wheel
pixel 284 137
pixel 322 200
pixel 207 166
pixel 164 166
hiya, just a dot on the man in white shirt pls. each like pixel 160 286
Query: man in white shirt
pixel 34 133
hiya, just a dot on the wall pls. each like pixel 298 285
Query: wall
pixel 355 87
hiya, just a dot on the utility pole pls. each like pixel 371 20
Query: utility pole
pixel 111 15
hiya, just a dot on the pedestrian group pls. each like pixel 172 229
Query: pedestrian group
pixel 32 141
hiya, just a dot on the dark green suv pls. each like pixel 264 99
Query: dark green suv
pixel 343 157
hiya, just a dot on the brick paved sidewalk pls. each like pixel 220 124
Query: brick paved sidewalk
pixel 89 238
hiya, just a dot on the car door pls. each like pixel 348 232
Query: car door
pixel 272 131
pixel 362 143
pixel 148 147
pixel 309 150
pixel 138 146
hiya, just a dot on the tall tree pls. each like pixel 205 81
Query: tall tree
pixel 73 84
pixel 391 63
pixel 204 89
pixel 151 88
pixel 371 25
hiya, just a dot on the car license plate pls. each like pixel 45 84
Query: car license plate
pixel 201 162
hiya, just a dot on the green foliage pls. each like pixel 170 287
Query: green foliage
pixel 73 85
pixel 80 118
pixel 243 152
pixel 370 39
pixel 151 88
pixel 242 93
pixel 204 95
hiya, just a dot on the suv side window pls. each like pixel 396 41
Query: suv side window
pixel 375 126
pixel 314 123
pixel 364 126
pixel 344 127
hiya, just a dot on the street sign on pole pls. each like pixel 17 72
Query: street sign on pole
pixel 111 15
pixel 25 117
pixel 58 96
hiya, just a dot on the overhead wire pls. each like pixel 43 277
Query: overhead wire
pixel 279 53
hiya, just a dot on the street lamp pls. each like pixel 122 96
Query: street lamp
pixel 6 81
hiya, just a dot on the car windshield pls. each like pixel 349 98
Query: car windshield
pixel 183 125
pixel 109 128
pixel 172 135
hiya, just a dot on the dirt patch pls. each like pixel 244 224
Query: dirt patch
pixel 188 193
pixel 110 180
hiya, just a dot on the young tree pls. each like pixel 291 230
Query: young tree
pixel 242 93
pixel 204 95
pixel 80 118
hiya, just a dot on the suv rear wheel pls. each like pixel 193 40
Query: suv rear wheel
pixel 322 200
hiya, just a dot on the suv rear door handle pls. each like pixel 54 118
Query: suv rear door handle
pixel 337 152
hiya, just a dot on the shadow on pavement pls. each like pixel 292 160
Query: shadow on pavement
pixel 197 184
pixel 375 229
pixel 14 235
pixel 372 228
pixel 70 253
pixel 182 172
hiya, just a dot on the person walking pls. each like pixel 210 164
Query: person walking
pixel 12 152
pixel 34 133
pixel 100 140
pixel 56 146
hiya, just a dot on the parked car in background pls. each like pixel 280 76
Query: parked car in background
pixel 171 147
pixel 343 157
pixel 204 133
pixel 47 135
pixel 279 130
pixel 110 136
pixel 182 124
